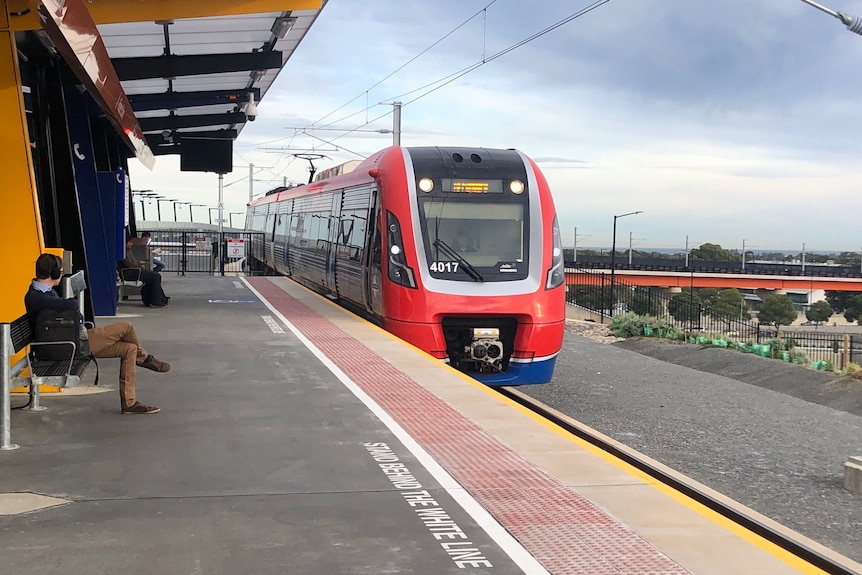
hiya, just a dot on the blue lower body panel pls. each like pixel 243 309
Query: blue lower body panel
pixel 520 373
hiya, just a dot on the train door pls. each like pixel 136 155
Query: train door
pixel 372 260
pixel 269 237
pixel 331 242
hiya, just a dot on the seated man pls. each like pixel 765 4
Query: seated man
pixel 115 340
pixel 158 264
pixel 152 293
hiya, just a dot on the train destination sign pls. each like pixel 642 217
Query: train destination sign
pixel 461 185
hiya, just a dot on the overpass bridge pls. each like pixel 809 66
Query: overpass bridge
pixel 700 279
pixel 757 276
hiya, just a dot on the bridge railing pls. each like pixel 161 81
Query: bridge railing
pixel 699 266
pixel 593 291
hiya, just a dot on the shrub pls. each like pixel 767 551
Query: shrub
pixel 630 324
pixel 852 369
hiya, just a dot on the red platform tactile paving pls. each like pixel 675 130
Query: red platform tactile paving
pixel 558 526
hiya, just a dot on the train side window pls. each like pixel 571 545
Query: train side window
pixel 281 226
pixel 270 225
pixel 296 229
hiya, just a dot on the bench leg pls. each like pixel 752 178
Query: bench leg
pixel 5 388
pixel 34 396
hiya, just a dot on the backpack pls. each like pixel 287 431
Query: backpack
pixel 61 325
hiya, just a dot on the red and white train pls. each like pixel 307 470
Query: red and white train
pixel 455 250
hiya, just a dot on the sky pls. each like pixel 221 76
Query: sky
pixel 722 122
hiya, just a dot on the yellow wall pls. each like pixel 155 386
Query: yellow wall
pixel 21 239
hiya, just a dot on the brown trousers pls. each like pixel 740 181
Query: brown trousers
pixel 119 340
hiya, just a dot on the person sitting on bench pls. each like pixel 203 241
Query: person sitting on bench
pixel 158 264
pixel 152 293
pixel 114 340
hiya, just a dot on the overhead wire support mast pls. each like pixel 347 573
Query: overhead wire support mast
pixel 853 23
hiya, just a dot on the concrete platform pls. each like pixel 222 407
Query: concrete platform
pixel 294 438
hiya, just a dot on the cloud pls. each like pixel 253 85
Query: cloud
pixel 721 120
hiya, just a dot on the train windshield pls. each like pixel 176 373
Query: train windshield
pixel 472 241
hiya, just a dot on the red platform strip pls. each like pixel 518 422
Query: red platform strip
pixel 558 526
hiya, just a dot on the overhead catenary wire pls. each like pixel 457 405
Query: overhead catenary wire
pixel 440 83
pixel 434 86
pixel 407 63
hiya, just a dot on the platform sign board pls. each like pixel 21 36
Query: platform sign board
pixel 202 243
pixel 235 248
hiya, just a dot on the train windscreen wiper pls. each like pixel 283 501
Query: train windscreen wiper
pixel 449 252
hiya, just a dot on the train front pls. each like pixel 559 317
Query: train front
pixel 489 295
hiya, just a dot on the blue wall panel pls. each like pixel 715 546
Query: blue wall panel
pixel 97 201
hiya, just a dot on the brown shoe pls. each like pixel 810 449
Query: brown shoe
pixel 139 408
pixel 155 364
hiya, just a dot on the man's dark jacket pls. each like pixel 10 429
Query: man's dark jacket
pixel 35 301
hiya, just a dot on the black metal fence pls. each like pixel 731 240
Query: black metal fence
pixel 839 349
pixel 682 311
pixel 184 251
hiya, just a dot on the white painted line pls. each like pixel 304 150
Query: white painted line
pixel 239 285
pixel 511 546
pixel 273 325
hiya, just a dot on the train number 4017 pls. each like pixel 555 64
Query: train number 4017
pixel 444 267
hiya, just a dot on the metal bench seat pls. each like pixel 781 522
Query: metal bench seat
pixel 129 283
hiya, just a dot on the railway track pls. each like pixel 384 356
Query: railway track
pixel 738 514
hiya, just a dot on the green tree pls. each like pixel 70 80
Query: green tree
pixel 707 296
pixel 839 300
pixel 819 311
pixel 777 310
pixel 848 259
pixel 713 253
pixel 586 295
pixel 728 305
pixel 854 309
pixel 643 304
pixel 685 306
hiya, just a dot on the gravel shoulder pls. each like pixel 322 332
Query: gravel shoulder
pixel 772 436
pixel 842 393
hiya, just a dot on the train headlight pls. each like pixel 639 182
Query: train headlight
pixel 426 184
pixel 399 272
pixel 516 186
pixel 557 273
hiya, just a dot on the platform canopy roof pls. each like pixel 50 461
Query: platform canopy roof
pixel 195 76
pixel 191 68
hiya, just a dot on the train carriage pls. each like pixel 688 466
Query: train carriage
pixel 455 250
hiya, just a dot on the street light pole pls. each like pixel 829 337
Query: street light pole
pixel 575 249
pixel 144 195
pixel 159 205
pixel 614 253
pixel 211 214
pixel 803 258
pixel 686 251
pixel 743 254
pixel 191 212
